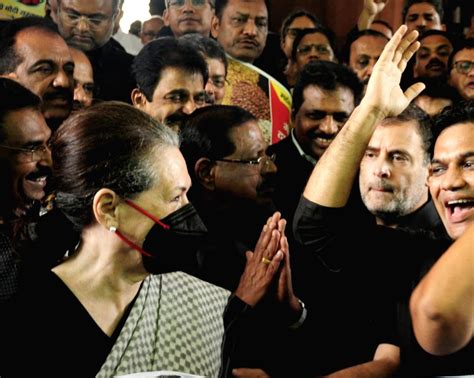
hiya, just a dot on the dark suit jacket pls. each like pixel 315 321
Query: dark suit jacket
pixel 290 181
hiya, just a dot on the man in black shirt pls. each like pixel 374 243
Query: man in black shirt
pixel 390 262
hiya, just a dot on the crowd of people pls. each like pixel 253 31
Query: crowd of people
pixel 221 201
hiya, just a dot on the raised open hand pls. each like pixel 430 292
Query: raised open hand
pixel 383 90
pixel 262 264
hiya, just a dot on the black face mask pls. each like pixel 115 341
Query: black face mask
pixel 172 243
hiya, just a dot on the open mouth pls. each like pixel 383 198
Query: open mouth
pixel 459 210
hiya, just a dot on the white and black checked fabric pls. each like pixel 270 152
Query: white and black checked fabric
pixel 175 324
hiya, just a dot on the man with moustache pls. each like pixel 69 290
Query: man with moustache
pixel 431 59
pixel 189 16
pixel 170 75
pixel 461 62
pixel 25 165
pixel 35 55
pixel 394 171
pixel 423 15
pixel 430 66
pixel 323 98
pixel 363 52
pixel 241 27
pixel 84 87
pixel 88 26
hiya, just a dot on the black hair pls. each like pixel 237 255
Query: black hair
pixel 328 76
pixel 108 145
pixel 383 22
pixel 320 29
pixel 460 44
pixel 346 50
pixel 459 112
pixel 437 5
pixel 206 133
pixel 207 46
pixel 430 32
pixel 292 16
pixel 162 53
pixel 15 96
pixel 220 5
pixel 423 125
pixel 9 58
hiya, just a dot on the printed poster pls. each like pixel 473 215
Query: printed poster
pixel 259 93
pixel 10 9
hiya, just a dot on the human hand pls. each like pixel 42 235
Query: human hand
pixel 383 90
pixel 249 373
pixel 374 7
pixel 262 264
pixel 285 294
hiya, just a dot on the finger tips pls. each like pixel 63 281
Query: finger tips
pixel 414 91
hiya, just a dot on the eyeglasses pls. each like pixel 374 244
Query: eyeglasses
pixel 262 161
pixel 28 155
pixel 180 3
pixel 73 18
pixel 320 49
pixel 463 66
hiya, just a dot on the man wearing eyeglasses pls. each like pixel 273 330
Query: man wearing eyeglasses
pixel 25 165
pixel 461 76
pixel 88 26
pixel 151 28
pixel 189 16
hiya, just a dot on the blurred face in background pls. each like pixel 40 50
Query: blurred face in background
pixel 86 25
pixel 189 16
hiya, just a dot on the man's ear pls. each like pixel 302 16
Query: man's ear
pixel 166 17
pixel 205 170
pixel 138 99
pixel 215 26
pixel 105 208
pixel 443 27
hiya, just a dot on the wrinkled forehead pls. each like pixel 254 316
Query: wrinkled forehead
pixel 104 7
pixel 39 44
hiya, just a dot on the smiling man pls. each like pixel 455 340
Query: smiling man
pixel 170 76
pixel 25 165
pixel 323 98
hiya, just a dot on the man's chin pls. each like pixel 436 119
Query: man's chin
pixel 56 115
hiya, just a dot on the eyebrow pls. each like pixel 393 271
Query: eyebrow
pixel 70 10
pixel 461 156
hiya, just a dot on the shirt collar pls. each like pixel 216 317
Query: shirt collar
pixel 304 155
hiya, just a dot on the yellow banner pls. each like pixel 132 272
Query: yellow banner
pixel 10 9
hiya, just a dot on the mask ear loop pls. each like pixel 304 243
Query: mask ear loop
pixel 144 212
pixel 129 242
